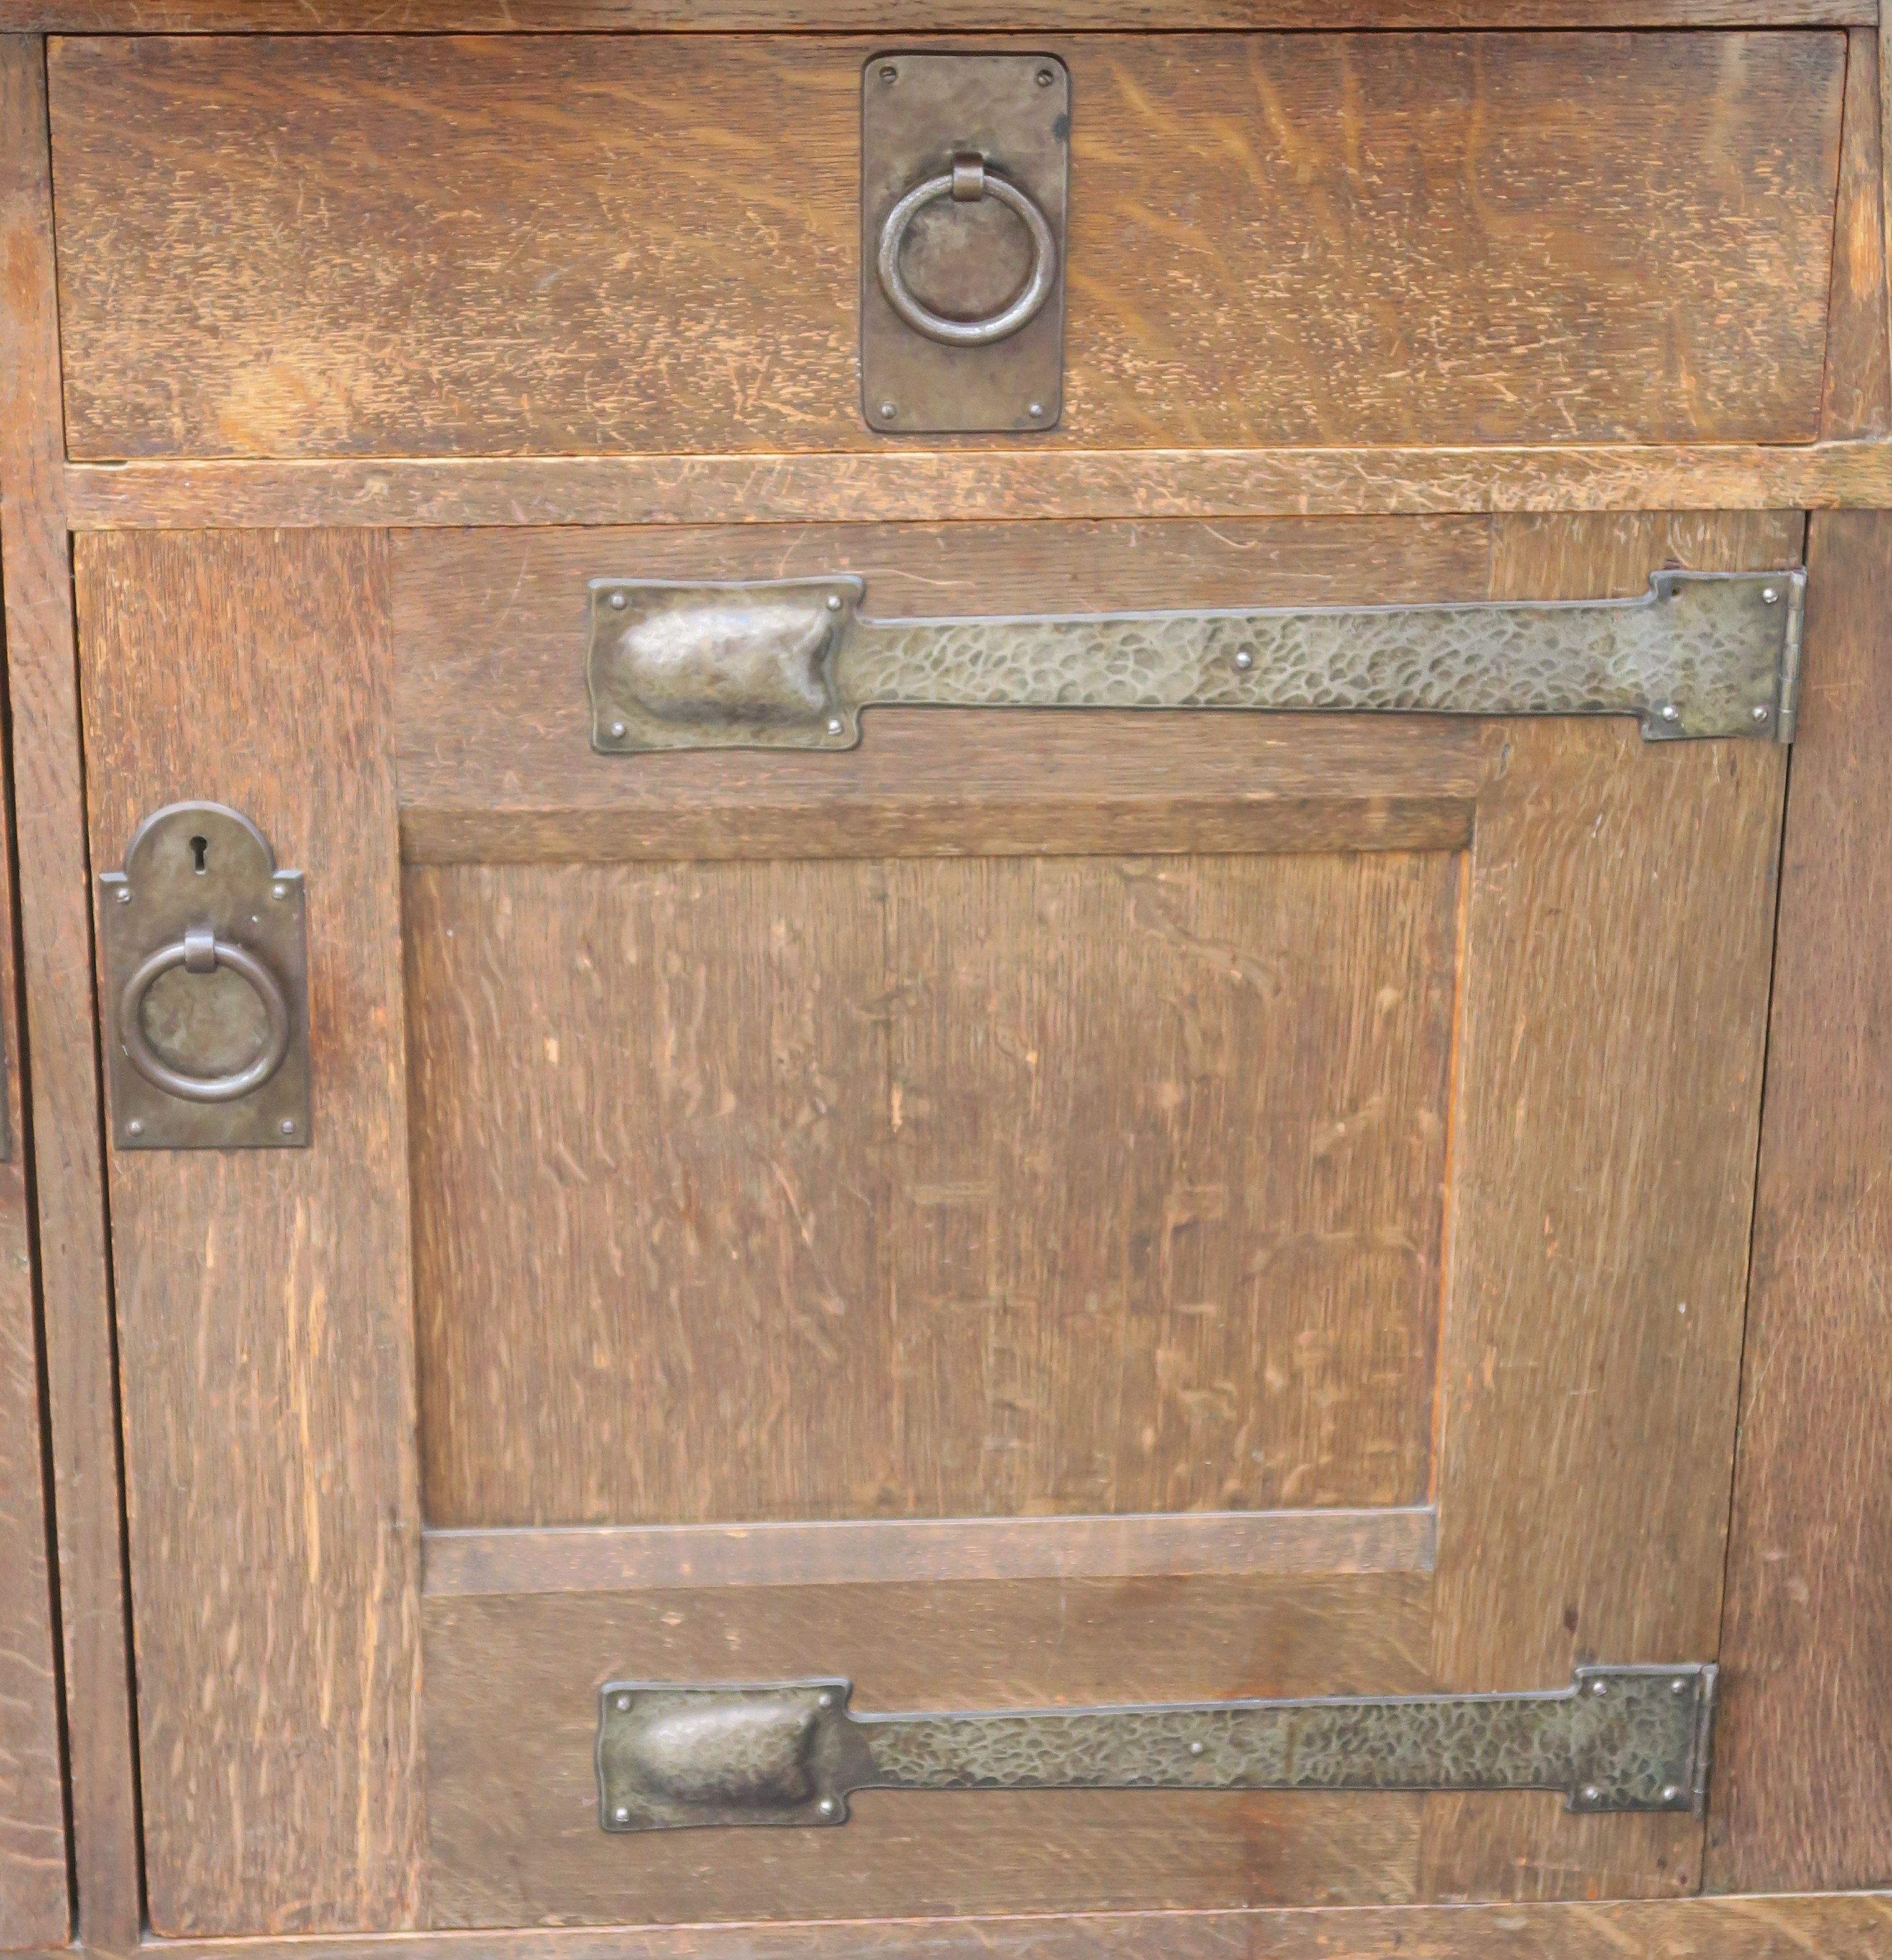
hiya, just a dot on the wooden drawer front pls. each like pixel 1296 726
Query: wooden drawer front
pixel 577 244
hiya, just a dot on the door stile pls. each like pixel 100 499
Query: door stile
pixel 1582 1474
pixel 55 938
pixel 265 1295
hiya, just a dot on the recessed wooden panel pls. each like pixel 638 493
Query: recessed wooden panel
pixel 983 1186
pixel 512 1724
pixel 579 245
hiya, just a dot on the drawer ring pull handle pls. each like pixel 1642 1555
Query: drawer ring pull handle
pixel 967 182
pixel 200 951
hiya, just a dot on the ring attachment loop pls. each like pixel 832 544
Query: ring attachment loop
pixel 200 951
pixel 967 182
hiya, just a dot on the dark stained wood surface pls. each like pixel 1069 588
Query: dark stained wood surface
pixel 1802 1794
pixel 263 1296
pixel 56 965
pixel 622 1558
pixel 310 17
pixel 495 762
pixel 919 486
pixel 1858 395
pixel 512 1727
pixel 973 1187
pixel 1848 1926
pixel 1618 936
pixel 302 246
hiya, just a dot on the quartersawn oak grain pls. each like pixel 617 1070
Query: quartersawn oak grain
pixel 1617 942
pixel 57 969
pixel 973 1187
pixel 1802 1794
pixel 263 1298
pixel 496 766
pixel 512 1725
pixel 292 246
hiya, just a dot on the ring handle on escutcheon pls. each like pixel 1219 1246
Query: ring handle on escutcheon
pixel 967 182
pixel 200 951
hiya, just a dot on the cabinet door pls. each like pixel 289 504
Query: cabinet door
pixel 34 1884
pixel 1047 1208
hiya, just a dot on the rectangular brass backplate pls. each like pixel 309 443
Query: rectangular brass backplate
pixel 202 942
pixel 791 663
pixel 671 1756
pixel 964 168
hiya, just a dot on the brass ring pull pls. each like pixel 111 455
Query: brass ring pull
pixel 967 182
pixel 200 951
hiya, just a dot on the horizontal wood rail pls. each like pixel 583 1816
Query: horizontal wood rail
pixel 924 486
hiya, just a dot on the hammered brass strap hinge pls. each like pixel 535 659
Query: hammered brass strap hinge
pixel 791 663
pixel 1619 1738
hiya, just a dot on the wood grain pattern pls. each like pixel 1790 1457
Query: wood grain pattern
pixel 303 248
pixel 263 1297
pixel 56 968
pixel 970 1188
pixel 1618 940
pixel 628 1557
pixel 512 1726
pixel 473 16
pixel 496 762
pixel 919 486
pixel 1846 1926
pixel 1857 396
pixel 35 1884
pixel 1803 1790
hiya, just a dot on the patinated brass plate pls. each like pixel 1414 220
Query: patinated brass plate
pixel 964 260
pixel 791 664
pixel 670 1756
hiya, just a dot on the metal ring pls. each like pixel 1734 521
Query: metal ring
pixel 198 1088
pixel 994 326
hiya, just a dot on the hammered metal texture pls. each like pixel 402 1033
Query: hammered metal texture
pixel 1622 1738
pixel 1700 654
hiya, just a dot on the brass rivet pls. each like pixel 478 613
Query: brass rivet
pixel 619 601
pixel 890 73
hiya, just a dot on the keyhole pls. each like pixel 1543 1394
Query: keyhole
pixel 200 850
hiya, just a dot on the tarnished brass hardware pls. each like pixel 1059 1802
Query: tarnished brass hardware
pixel 791 664
pixel 967 182
pixel 203 944
pixel 672 1756
pixel 964 159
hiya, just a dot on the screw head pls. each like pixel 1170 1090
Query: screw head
pixel 135 1127
pixel 1679 1685
pixel 824 1700
pixel 623 1703
pixel 889 73
pixel 1769 597
pixel 1244 660
pixel 1045 77
pixel 620 1815
pixel 124 895
pixel 834 602
pixel 1598 1687
pixel 837 726
pixel 889 410
pixel 618 731
pixel 1670 1791
pixel 288 1127
pixel 1195 1748
pixel 1591 1794
pixel 619 601
pixel 279 891
pixel 828 1807
pixel 1034 409
pixel 1670 712
pixel 1761 712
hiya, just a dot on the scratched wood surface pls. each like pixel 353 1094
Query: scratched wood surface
pixel 1619 933
pixel 1856 400
pixel 1803 1791
pixel 264 1308
pixel 495 753
pixel 303 246
pixel 976 1187
pixel 512 1726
